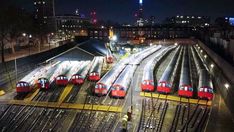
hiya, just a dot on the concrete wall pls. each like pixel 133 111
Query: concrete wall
pixel 223 73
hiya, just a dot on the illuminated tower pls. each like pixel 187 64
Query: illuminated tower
pixel 93 15
pixel 140 20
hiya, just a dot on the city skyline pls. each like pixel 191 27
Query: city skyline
pixel 124 10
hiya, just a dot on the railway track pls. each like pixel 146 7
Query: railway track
pixel 153 114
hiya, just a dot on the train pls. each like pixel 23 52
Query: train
pixel 167 78
pixel 79 77
pixel 43 81
pixel 185 86
pixel 26 84
pixel 147 83
pixel 103 86
pixel 109 57
pixel 122 83
pixel 59 74
pixel 205 85
pixel 137 58
pixel 95 70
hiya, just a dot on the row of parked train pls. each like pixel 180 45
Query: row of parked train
pixel 61 73
pixel 165 83
pixel 117 81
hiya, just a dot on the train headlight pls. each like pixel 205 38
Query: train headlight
pixel 205 56
pixel 176 44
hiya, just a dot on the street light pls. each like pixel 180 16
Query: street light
pixel 114 38
pixel 24 34
pixel 226 85
pixel 212 65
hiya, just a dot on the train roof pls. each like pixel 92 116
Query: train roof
pixel 73 54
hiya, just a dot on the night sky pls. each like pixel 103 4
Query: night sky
pixel 123 10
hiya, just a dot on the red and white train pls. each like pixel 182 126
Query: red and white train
pixel 79 77
pixel 103 86
pixel 205 85
pixel 147 84
pixel 185 86
pixel 95 70
pixel 167 78
pixel 26 84
pixel 121 85
pixel 43 81
pixel 109 57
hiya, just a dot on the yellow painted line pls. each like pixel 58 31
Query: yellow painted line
pixel 65 92
pixel 31 96
pixel 175 98
pixel 104 108
pixel 2 92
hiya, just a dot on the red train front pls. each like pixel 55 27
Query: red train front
pixel 164 87
pixel 205 93
pixel 147 86
pixel 43 83
pixel 77 79
pixel 23 87
pixel 185 91
pixel 118 91
pixel 109 59
pixel 100 89
pixel 61 80
pixel 94 76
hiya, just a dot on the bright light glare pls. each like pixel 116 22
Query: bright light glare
pixel 226 85
pixel 24 34
pixel 140 1
pixel 212 65
pixel 205 56
pixel 176 44
pixel 114 38
pixel 30 36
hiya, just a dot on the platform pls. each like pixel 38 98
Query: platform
pixel 104 108
pixel 175 98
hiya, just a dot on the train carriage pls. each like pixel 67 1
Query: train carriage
pixel 43 81
pixel 205 86
pixel 25 85
pixel 185 88
pixel 147 83
pixel 165 82
pixel 109 57
pixel 122 83
pixel 80 75
pixel 103 86
pixel 95 70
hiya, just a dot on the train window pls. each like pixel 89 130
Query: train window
pixel 73 77
pixel 18 85
pixel 190 89
pixel 147 83
pixel 205 90
pixel 122 89
pixel 201 89
pixel 163 85
pixel 210 91
pixel 181 88
pixel 186 88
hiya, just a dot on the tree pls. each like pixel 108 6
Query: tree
pixel 13 22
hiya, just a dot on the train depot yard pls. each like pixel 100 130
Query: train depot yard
pixel 161 87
